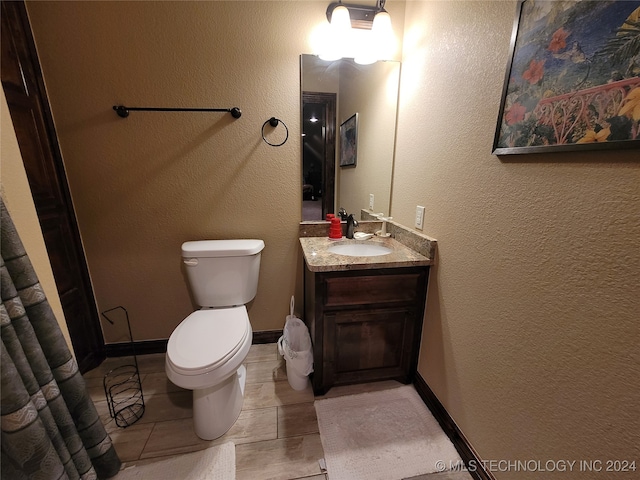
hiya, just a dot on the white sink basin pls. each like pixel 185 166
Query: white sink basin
pixel 359 249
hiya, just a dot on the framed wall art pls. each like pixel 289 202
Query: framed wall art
pixel 573 80
pixel 349 142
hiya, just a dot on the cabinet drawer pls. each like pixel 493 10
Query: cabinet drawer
pixel 371 289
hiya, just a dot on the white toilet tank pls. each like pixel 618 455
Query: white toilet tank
pixel 222 273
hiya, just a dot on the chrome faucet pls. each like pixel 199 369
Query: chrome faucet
pixel 351 223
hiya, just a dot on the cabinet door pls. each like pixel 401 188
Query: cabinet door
pixel 371 344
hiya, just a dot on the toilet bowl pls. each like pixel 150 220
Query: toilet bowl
pixel 205 354
pixel 206 351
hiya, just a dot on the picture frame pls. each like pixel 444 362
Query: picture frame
pixel 573 79
pixel 349 141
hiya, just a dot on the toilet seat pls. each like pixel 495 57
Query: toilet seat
pixel 207 339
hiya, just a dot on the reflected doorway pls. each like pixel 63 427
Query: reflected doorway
pixel 318 154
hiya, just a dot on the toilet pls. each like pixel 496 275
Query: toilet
pixel 207 349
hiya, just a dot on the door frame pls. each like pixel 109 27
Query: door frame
pixel 52 197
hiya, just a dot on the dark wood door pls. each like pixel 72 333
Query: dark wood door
pixel 29 107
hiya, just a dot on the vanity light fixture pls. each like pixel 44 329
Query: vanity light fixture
pixel 373 39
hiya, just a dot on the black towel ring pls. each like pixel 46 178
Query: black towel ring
pixel 273 121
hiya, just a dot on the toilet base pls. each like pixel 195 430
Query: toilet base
pixel 216 409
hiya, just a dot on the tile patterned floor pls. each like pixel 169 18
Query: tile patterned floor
pixel 276 435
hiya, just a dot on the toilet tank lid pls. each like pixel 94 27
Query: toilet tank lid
pixel 222 248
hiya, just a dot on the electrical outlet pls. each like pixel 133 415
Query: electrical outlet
pixel 371 201
pixel 419 217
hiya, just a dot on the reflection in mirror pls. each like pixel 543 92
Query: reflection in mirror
pixel 332 92
pixel 318 154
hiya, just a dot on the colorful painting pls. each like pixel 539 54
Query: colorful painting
pixel 349 142
pixel 574 78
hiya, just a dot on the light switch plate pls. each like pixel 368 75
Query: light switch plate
pixel 371 201
pixel 419 217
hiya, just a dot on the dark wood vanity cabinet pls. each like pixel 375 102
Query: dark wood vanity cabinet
pixel 365 325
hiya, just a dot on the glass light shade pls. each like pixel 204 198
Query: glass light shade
pixel 381 44
pixel 367 55
pixel 383 35
pixel 340 20
pixel 330 51
pixel 339 34
pixel 382 25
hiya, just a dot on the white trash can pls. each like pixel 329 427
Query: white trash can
pixel 295 346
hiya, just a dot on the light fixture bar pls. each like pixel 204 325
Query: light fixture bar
pixel 361 15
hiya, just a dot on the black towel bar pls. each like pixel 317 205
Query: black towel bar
pixel 123 111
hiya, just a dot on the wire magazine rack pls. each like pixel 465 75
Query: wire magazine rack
pixel 122 385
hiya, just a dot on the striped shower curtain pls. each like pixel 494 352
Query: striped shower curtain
pixel 50 427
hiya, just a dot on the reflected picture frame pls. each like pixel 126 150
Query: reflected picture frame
pixel 349 141
pixel 573 78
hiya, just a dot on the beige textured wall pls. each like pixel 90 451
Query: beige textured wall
pixel 17 198
pixel 145 184
pixel 531 333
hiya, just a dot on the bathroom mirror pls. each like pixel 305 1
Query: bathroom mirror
pixel 332 93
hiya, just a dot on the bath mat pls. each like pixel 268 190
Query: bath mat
pixel 386 435
pixel 215 463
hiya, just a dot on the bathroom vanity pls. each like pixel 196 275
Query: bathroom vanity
pixel 364 313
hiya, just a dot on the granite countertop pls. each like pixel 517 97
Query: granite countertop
pixel 318 259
